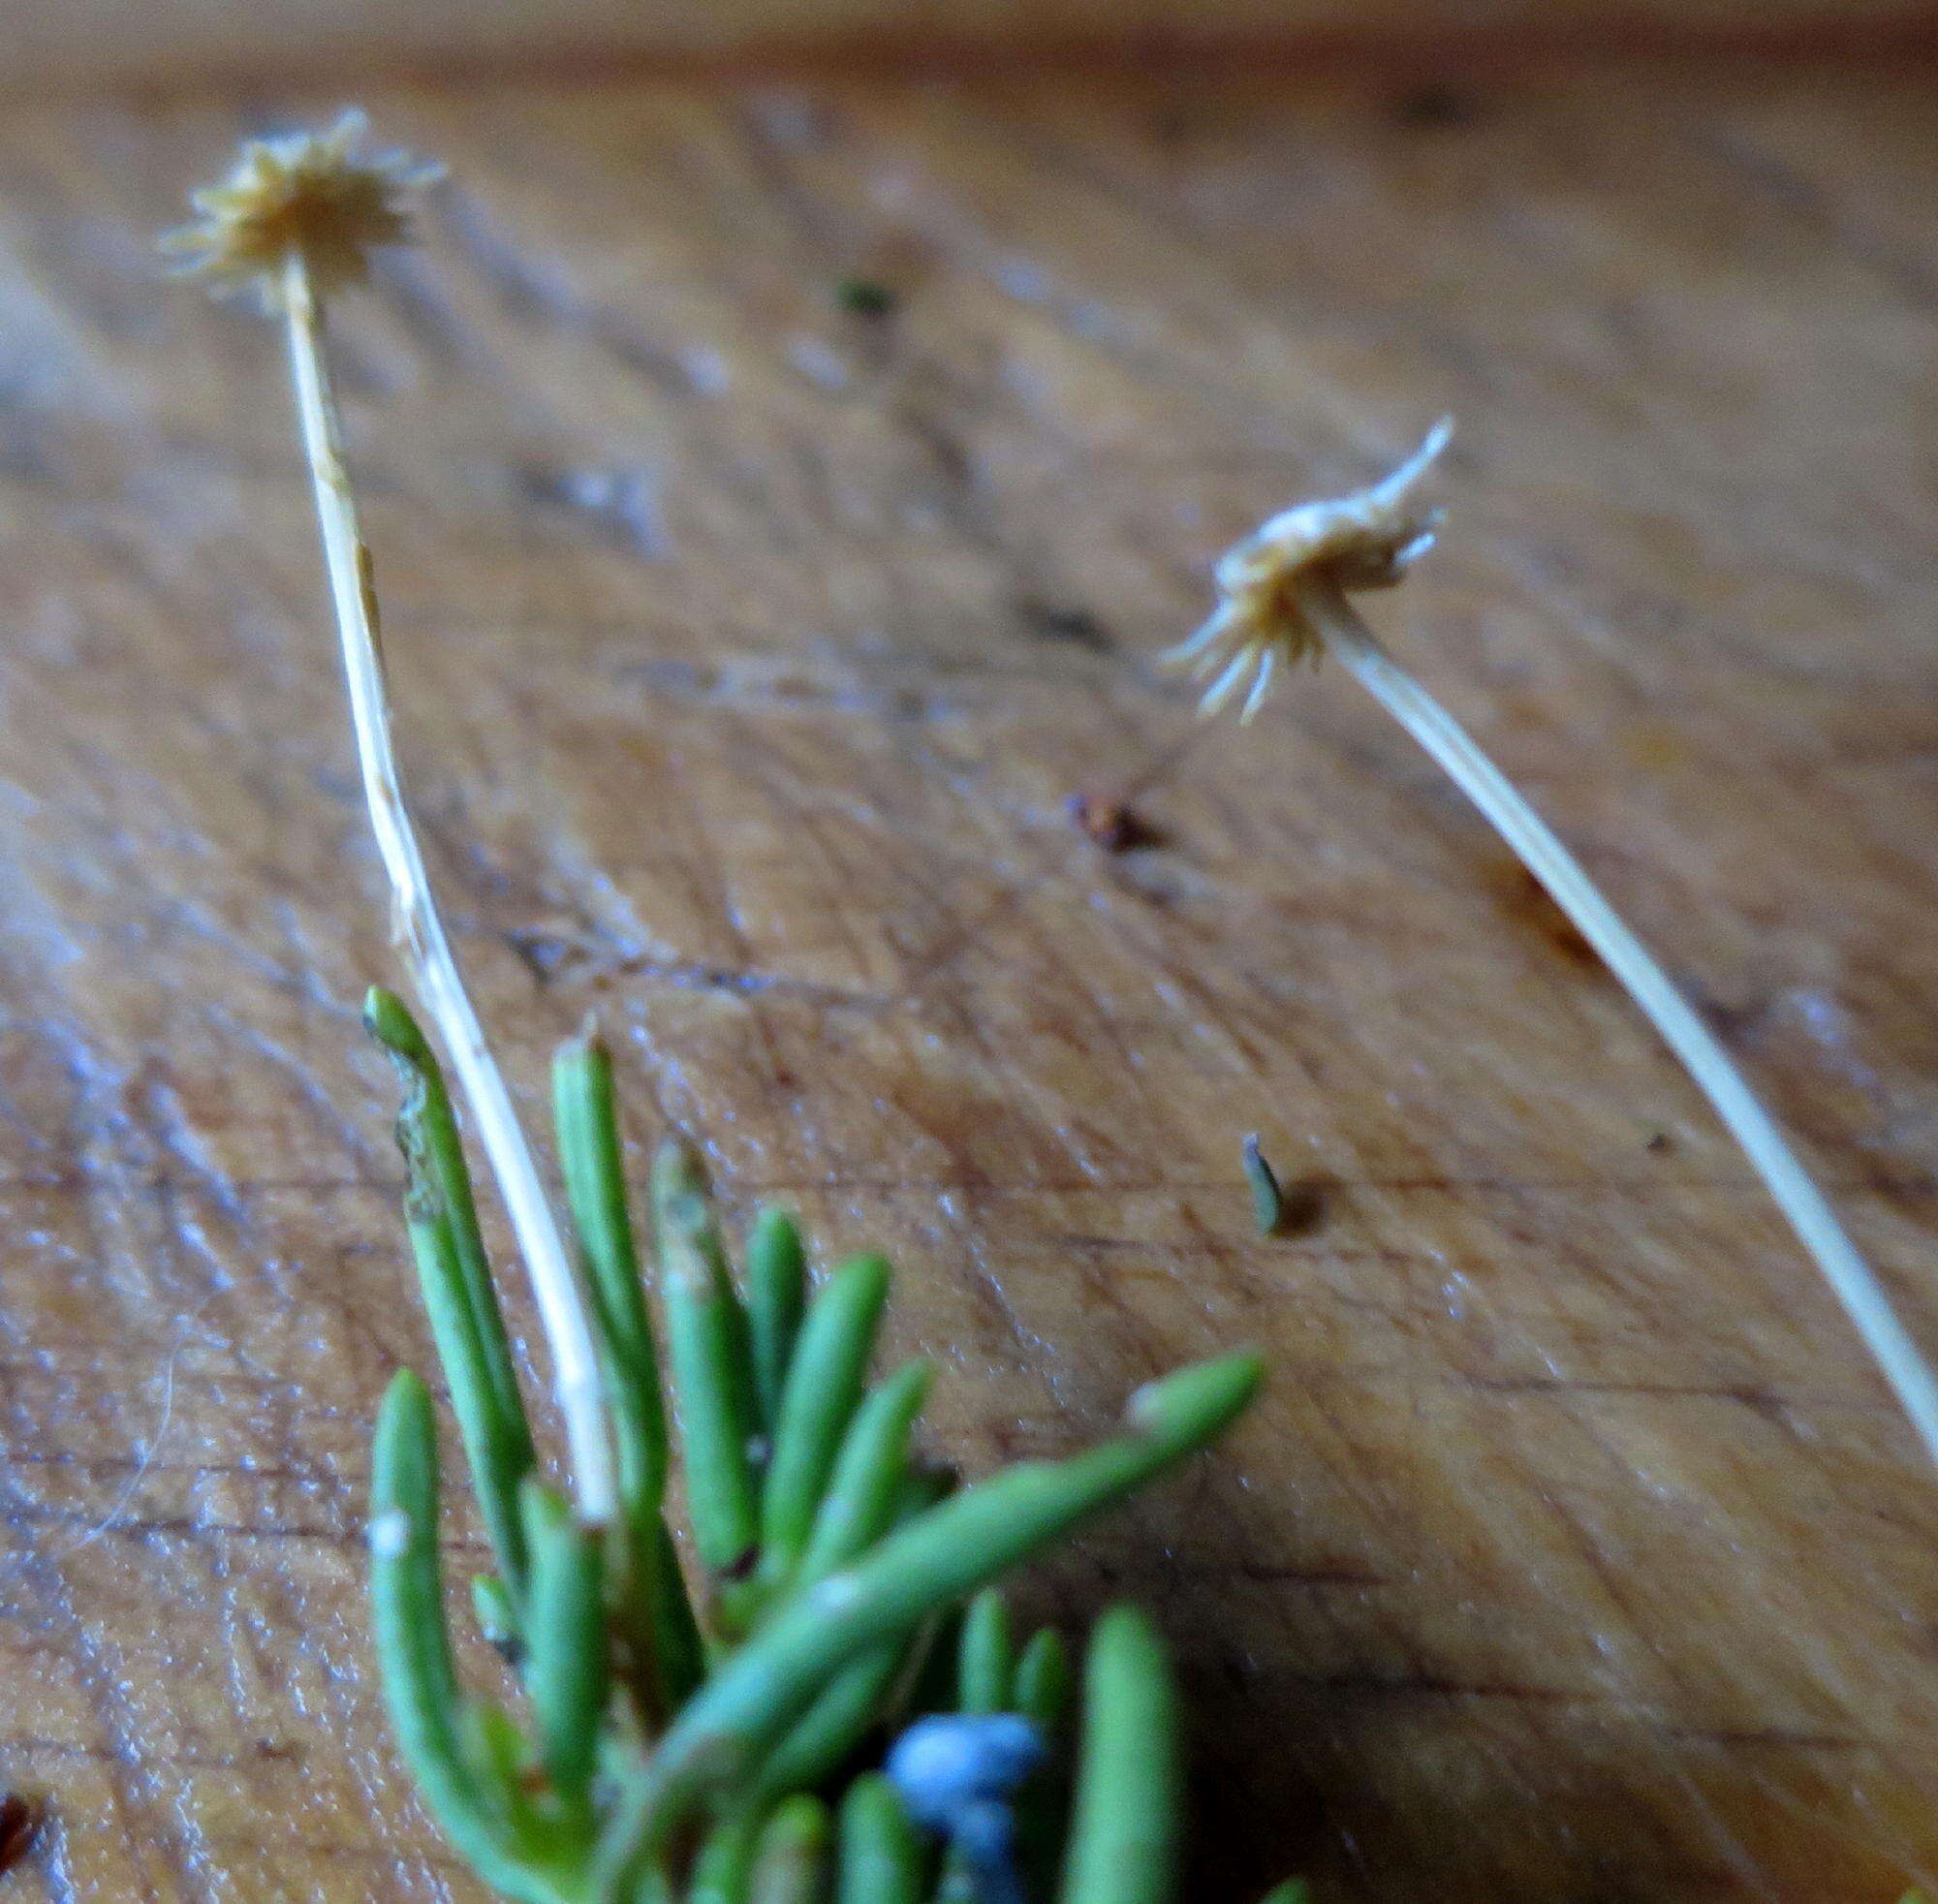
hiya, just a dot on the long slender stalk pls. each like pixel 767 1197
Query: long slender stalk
pixel 420 931
pixel 1683 1030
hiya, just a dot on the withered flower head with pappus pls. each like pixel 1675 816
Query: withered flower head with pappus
pixel 311 193
pixel 1364 541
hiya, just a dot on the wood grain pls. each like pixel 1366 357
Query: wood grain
pixel 337 43
pixel 748 652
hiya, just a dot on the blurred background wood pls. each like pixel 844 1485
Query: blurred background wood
pixel 749 650
pixel 340 41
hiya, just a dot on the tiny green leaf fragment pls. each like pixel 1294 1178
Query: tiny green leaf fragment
pixel 1267 1201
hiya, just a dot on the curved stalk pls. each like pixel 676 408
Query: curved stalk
pixel 1714 1072
pixel 416 924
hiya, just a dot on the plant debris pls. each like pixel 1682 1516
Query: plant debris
pixel 1268 1200
pixel 1107 821
pixel 1283 597
pixel 673 1742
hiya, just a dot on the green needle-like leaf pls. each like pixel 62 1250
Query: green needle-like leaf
pixel 986 1657
pixel 1123 1831
pixel 567 1656
pixel 790 1863
pixel 1043 1683
pixel 665 1631
pixel 712 1379
pixel 866 1487
pixel 725 1854
pixel 824 1387
pixel 414 1655
pixel 1042 1694
pixel 465 1319
pixel 881 1857
pixel 593 1161
pixel 830 1729
pixel 661 1653
pixel 389 1021
pixel 944 1556
pixel 776 1295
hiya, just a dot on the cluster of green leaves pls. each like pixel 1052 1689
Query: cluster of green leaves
pixel 712 1743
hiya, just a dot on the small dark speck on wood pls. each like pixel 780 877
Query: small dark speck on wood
pixel 1054 621
pixel 1108 821
pixel 18 1819
pixel 1436 108
pixel 1530 901
pixel 867 297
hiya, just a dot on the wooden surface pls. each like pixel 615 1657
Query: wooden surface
pixel 334 42
pixel 747 654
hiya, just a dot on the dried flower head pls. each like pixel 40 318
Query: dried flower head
pixel 310 192
pixel 1365 541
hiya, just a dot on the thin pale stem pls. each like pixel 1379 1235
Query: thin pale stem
pixel 1684 1032
pixel 420 932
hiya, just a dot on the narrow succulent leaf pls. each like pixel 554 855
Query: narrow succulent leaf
pixel 501 1762
pixel 1042 1681
pixel 593 1161
pixel 841 1717
pixel 986 1656
pixel 1296 1890
pixel 660 1644
pixel 865 1487
pixel 725 1860
pixel 466 1323
pixel 824 1389
pixel 493 1749
pixel 776 1295
pixel 390 1022
pixel 1042 1694
pixel 414 1650
pixel 666 1655
pixel 711 1375
pixel 567 1656
pixel 1124 1825
pixel 881 1858
pixel 791 1861
pixel 942 1557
